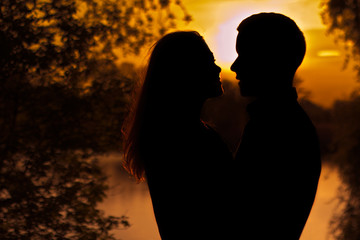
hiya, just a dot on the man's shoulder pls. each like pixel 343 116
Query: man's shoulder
pixel 290 117
pixel 286 126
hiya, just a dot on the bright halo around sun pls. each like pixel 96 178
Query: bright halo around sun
pixel 225 40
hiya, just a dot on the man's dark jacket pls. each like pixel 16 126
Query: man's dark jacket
pixel 277 169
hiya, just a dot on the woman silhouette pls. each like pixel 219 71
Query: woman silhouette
pixel 183 160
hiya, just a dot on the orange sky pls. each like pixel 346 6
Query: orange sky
pixel 322 67
pixel 321 73
pixel 322 70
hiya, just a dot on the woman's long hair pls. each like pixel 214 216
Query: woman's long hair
pixel 164 89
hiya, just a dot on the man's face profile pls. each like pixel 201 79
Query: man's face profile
pixel 251 65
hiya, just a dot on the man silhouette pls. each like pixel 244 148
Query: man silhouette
pixel 278 160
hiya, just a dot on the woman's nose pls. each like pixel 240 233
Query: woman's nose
pixel 218 68
pixel 234 65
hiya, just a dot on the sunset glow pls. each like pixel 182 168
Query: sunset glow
pixel 329 53
pixel 323 64
pixel 321 72
pixel 158 119
pixel 225 40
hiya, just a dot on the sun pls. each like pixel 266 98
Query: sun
pixel 224 38
pixel 225 41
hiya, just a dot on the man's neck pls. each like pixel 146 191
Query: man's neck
pixel 277 93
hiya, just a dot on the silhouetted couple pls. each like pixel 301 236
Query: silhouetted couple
pixel 197 189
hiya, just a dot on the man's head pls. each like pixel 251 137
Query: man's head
pixel 270 48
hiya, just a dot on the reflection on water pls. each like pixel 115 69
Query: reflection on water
pixel 126 197
pixel 316 227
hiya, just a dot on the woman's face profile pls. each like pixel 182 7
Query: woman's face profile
pixel 205 74
pixel 183 66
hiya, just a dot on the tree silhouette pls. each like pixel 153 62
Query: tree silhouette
pixel 51 41
pixel 346 221
pixel 343 21
pixel 62 103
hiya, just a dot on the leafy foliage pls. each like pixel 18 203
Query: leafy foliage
pixel 342 18
pixel 346 222
pixel 62 103
pixel 50 41
pixel 50 179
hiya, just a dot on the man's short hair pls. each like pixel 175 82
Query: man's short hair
pixel 276 35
